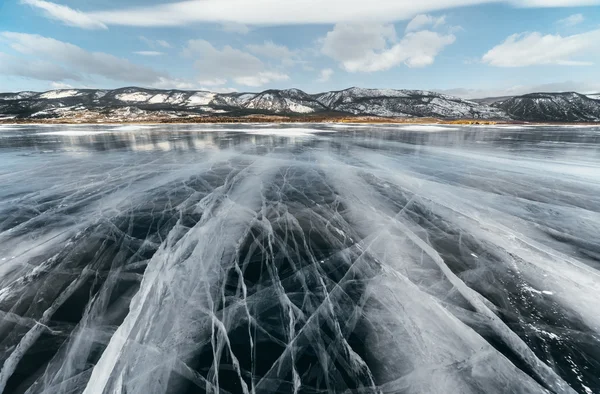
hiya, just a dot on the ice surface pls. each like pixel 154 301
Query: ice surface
pixel 287 132
pixel 73 133
pixel 299 259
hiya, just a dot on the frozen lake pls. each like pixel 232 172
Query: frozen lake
pixel 302 258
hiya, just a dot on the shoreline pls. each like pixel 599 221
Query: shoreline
pixel 287 120
pixel 252 119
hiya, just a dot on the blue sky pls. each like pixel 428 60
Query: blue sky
pixel 471 48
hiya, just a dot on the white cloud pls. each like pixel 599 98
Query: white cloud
pixel 229 60
pixel 572 20
pixel 64 61
pixel 219 90
pixel 373 47
pixel 35 69
pixel 517 90
pixel 529 49
pixel 155 43
pixel 149 53
pixel 216 66
pixel 261 78
pixel 66 15
pixel 420 21
pixel 270 49
pixel 213 82
pixel 233 27
pixel 60 85
pixel 325 75
pixel 347 42
pixel 272 12
pixel 173 83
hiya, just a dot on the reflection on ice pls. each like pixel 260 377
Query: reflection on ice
pixel 252 259
pixel 424 128
pixel 73 133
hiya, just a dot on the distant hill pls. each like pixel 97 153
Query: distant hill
pixel 133 104
pixel 595 96
pixel 558 107
pixel 491 100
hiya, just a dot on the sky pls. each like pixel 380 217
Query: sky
pixel 468 48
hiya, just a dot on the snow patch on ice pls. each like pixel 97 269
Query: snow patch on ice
pixel 535 291
pixel 132 127
pixel 510 127
pixel 550 335
pixel 427 128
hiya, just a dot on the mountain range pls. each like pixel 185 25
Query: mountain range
pixel 134 103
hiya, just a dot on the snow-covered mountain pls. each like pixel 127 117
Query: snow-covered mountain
pixel 289 101
pixel 16 96
pixel 110 103
pixel 139 104
pixel 406 103
pixel 552 107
